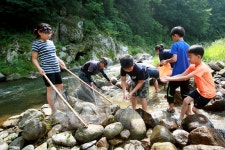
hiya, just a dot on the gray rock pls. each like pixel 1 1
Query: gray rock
pixel 29 147
pixel 18 142
pixel 133 145
pixel 4 146
pixel 112 130
pixel 181 137
pixel 3 134
pixel 64 139
pixel 88 145
pixel 12 121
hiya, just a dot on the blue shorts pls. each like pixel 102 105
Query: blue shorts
pixel 55 78
pixel 199 101
pixel 153 72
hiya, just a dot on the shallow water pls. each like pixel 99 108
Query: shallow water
pixel 20 95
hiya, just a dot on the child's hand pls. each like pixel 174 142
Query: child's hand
pixel 164 79
pixel 127 96
pixel 41 71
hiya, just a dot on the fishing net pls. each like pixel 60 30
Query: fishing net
pixel 86 102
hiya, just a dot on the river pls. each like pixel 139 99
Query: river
pixel 19 95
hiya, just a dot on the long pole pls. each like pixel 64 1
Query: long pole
pixel 60 95
pixel 87 85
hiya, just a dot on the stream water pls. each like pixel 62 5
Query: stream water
pixel 19 95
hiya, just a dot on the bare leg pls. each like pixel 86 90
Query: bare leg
pixel 185 106
pixel 156 85
pixel 134 102
pixel 171 105
pixel 50 98
pixel 196 110
pixel 144 104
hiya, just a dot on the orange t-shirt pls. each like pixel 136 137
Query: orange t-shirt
pixel 203 79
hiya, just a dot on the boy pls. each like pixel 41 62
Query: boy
pixel 180 59
pixel 92 68
pixel 203 79
pixel 139 85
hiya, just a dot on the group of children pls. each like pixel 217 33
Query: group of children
pixel 186 62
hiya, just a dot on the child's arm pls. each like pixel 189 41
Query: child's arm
pixel 123 85
pixel 138 86
pixel 181 77
pixel 36 63
pixel 61 63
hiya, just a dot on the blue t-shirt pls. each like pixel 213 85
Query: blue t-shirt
pixel 180 49
pixel 139 72
pixel 47 53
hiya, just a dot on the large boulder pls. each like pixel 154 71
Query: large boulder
pixel 132 121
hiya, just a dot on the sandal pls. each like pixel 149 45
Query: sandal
pixel 170 111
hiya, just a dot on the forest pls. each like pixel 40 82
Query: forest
pixel 137 23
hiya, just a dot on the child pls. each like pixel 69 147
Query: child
pixel 50 64
pixel 92 68
pixel 163 54
pixel 139 85
pixel 203 79
pixel 180 59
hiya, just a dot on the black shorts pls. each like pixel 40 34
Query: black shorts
pixel 55 78
pixel 199 101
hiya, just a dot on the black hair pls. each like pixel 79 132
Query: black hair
pixel 104 61
pixel 159 47
pixel 196 49
pixel 43 27
pixel 126 61
pixel 178 30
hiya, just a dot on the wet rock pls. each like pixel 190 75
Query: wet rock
pixel 92 132
pixel 181 137
pixel 191 122
pixel 112 130
pixel 214 66
pixel 148 119
pixel 163 145
pixel 203 147
pixel 29 115
pixel 207 136
pixel 34 130
pixel 161 134
pixel 28 147
pixel 218 105
pixel 64 139
pixel 132 121
pixel 221 132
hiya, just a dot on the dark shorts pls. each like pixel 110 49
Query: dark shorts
pixel 199 101
pixel 84 77
pixel 143 91
pixel 55 78
pixel 153 73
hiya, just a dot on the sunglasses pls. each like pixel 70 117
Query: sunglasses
pixel 46 29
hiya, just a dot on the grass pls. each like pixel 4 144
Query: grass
pixel 215 52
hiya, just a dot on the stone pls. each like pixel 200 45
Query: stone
pixel 163 146
pixel 12 121
pixel 64 139
pixel 112 130
pixel 181 137
pixel 203 147
pixel 4 146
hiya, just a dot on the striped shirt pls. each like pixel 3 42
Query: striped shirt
pixel 47 53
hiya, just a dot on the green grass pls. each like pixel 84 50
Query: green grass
pixel 215 52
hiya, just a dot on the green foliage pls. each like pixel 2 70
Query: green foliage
pixel 215 52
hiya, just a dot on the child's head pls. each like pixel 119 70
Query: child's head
pixel 159 48
pixel 127 62
pixel 195 53
pixel 177 33
pixel 103 63
pixel 42 28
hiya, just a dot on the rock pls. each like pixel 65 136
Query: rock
pixel 132 121
pixel 218 105
pixel 181 137
pixel 18 142
pixel 222 72
pixel 146 143
pixel 12 121
pixel 29 147
pixel 163 146
pixel 46 110
pixel 161 134
pixel 88 145
pixel 191 122
pixel 42 146
pixel 29 115
pixel 112 130
pixel 133 145
pixel 92 132
pixel 102 143
pixel 11 137
pixel 207 136
pixel 116 141
pixel 55 130
pixel 34 130
pixel 125 134
pixel 148 119
pixel 203 147
pixel 214 66
pixel 2 77
pixel 3 134
pixel 64 139
pixel 4 146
